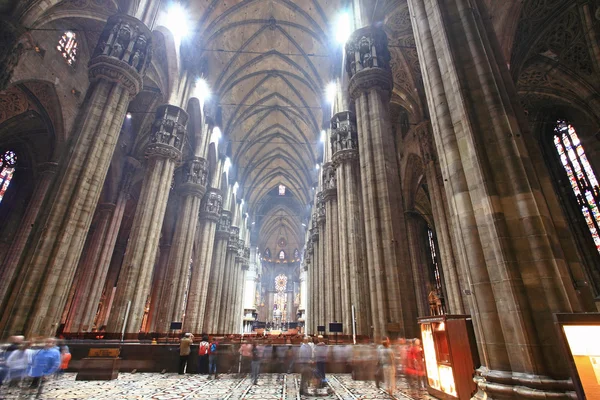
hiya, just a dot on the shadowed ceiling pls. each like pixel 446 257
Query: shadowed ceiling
pixel 268 64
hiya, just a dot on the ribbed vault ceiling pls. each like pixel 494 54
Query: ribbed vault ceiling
pixel 268 66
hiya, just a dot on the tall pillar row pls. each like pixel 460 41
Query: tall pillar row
pixel 191 189
pixel 210 210
pixel 318 298
pixel 393 307
pixel 46 173
pixel 116 69
pixel 215 288
pixel 354 277
pixel 514 268
pixel 334 273
pixel 93 268
pixel 229 274
pixel 134 286
pixel 452 280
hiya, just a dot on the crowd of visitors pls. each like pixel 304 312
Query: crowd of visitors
pixel 26 365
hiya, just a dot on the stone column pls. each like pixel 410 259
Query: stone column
pixel 116 69
pixel 452 281
pixel 46 173
pixel 354 277
pixel 215 284
pixel 318 295
pixel 370 85
pixel 310 301
pixel 76 321
pixel 111 280
pixel 102 259
pixel 226 294
pixel 159 282
pixel 332 244
pixel 191 187
pixel 163 151
pixel 517 276
pixel 416 229
pixel 210 210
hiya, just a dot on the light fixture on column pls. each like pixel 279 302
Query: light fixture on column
pixel 235 187
pixel 227 165
pixel 128 115
pixel 323 136
pixel 317 166
pixel 176 20
pixel 330 92
pixel 343 27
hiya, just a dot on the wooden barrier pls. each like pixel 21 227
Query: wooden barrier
pixel 101 364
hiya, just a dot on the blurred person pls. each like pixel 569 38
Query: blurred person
pixel 212 358
pixel 203 350
pixel 290 358
pixel 256 356
pixel 185 348
pixel 14 344
pixel 246 354
pixel 321 358
pixel 305 359
pixel 18 363
pixel 402 355
pixel 65 358
pixel 44 363
pixel 416 363
pixel 387 363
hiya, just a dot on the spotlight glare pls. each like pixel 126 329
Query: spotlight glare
pixel 216 135
pixel 128 115
pixel 227 164
pixel 342 29
pixel 317 166
pixel 330 92
pixel 235 188
pixel 176 21
pixel 323 136
pixel 202 90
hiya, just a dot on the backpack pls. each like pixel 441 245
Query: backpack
pixel 203 350
pixel 213 348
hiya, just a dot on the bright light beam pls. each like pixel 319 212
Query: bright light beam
pixel 202 90
pixel 342 28
pixel 177 22
pixel 330 92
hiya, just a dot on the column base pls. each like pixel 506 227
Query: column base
pixel 493 384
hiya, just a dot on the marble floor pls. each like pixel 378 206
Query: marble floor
pixel 142 386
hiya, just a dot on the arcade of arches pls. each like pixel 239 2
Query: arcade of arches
pixel 266 171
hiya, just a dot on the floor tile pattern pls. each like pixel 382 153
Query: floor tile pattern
pixel 143 386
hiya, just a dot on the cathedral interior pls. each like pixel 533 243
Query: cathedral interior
pixel 276 166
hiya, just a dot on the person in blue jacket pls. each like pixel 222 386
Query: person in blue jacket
pixel 43 363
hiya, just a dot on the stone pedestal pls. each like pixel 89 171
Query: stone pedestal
pixel 163 152
pixel 116 69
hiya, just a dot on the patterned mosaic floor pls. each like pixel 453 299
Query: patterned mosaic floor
pixel 143 386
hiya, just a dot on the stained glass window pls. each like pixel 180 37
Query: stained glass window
pixel 67 46
pixel 580 173
pixel 267 253
pixel 282 190
pixel 8 161
pixel 434 260
pixel 282 255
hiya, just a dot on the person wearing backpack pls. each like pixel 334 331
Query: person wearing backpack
pixel 212 358
pixel 203 351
